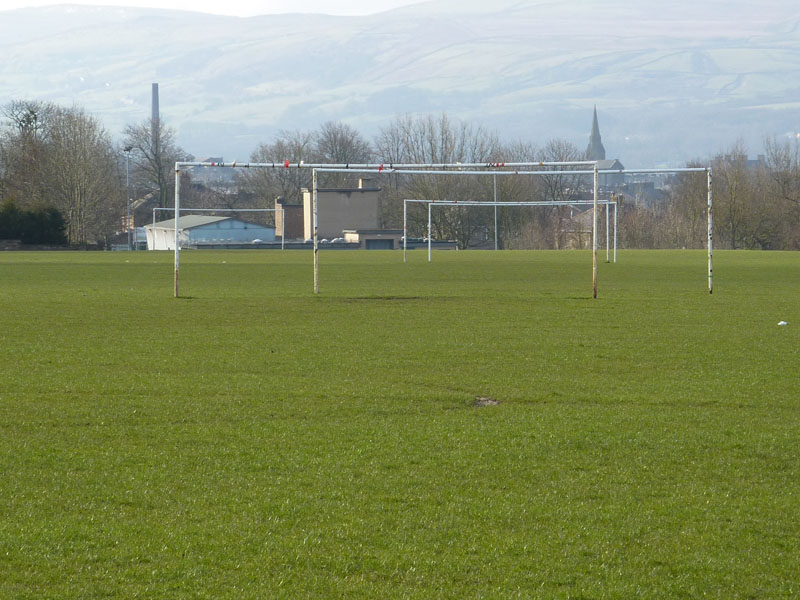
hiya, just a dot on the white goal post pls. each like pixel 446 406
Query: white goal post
pixel 495 204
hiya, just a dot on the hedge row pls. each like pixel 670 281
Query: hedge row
pixel 37 226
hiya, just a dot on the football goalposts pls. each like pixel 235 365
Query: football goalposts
pixel 375 168
pixel 595 173
pixel 495 204
pixel 447 169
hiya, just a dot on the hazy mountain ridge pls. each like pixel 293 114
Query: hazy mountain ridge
pixel 671 82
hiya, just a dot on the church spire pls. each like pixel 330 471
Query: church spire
pixel 595 151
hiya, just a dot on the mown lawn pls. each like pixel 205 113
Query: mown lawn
pixel 252 440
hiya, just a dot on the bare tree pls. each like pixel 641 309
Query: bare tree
pixel 286 183
pixel 511 221
pixel 551 222
pixel 783 161
pixel 154 154
pixel 638 227
pixel 23 143
pixel 732 194
pixel 30 118
pixel 63 158
pixel 429 139
pixel 82 177
pixel 334 142
pixel 340 143
pixel 685 221
pixel 783 165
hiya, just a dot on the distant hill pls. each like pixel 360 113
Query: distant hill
pixel 672 81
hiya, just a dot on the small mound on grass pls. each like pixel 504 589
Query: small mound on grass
pixel 485 401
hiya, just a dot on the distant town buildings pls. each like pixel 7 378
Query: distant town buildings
pixel 340 209
pixel 198 231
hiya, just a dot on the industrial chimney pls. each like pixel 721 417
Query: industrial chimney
pixel 155 125
pixel 155 146
pixel 155 108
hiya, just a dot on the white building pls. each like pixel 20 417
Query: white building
pixel 197 230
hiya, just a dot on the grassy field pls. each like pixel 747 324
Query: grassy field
pixel 252 440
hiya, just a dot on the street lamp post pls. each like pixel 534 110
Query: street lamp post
pixel 128 223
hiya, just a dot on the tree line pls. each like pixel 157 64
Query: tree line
pixel 57 160
pixel 62 160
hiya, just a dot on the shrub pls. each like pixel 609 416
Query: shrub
pixel 37 226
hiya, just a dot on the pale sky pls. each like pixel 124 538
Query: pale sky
pixel 238 8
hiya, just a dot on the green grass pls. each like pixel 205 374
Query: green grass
pixel 252 440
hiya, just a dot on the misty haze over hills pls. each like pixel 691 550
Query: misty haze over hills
pixel 671 81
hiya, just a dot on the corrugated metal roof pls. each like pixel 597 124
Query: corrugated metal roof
pixel 188 222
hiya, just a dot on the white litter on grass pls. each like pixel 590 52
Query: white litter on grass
pixel 782 323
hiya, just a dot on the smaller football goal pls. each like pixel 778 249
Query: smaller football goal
pixel 466 204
